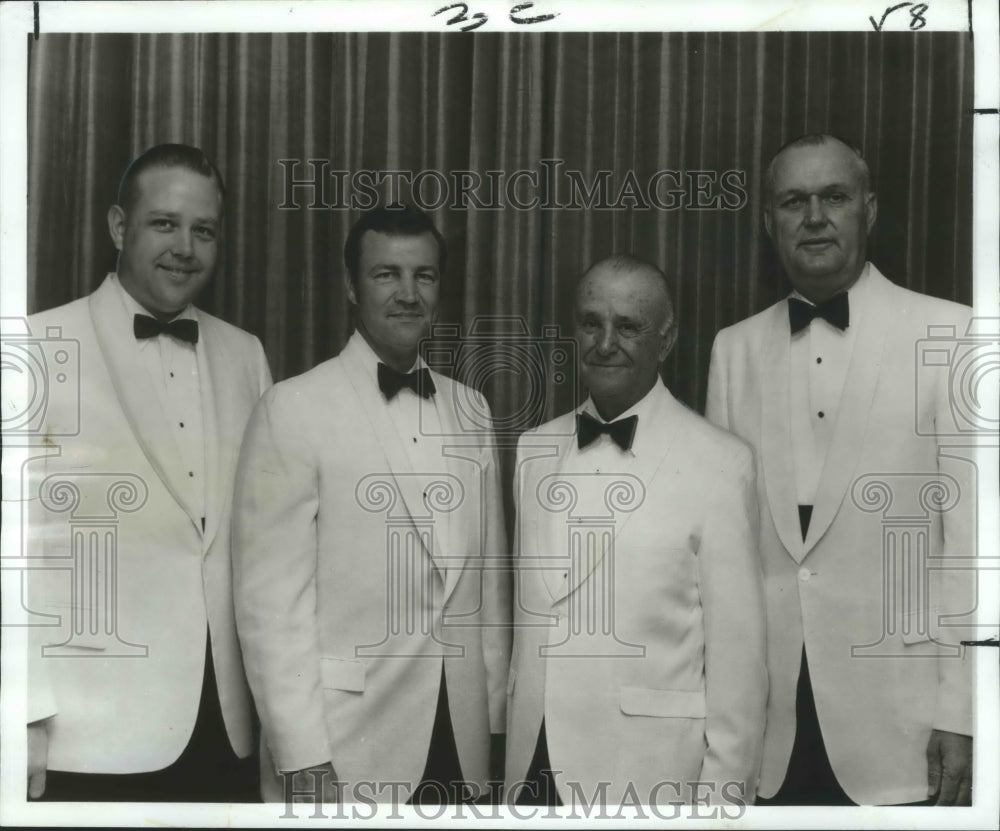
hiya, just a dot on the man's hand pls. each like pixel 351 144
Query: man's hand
pixel 38 758
pixel 320 780
pixel 949 768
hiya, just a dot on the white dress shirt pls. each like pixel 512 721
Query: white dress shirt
pixel 417 422
pixel 820 357
pixel 172 365
pixel 590 470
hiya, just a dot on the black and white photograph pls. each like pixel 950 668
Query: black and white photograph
pixel 500 413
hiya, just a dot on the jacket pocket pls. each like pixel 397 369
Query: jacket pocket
pixel 641 701
pixel 342 674
pixel 915 626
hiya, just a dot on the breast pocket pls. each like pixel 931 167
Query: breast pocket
pixel 643 701
pixel 342 674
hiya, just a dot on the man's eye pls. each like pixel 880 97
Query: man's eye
pixel 836 198
pixel 382 276
pixel 628 329
pixel 162 224
pixel 205 233
pixel 792 202
pixel 428 277
pixel 588 324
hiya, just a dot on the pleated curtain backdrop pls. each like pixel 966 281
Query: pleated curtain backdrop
pixel 623 103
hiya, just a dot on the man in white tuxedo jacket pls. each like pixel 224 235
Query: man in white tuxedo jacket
pixel 870 694
pixel 371 596
pixel 638 666
pixel 137 689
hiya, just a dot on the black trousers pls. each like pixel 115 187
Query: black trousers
pixel 207 771
pixel 810 779
pixel 539 784
pixel 442 782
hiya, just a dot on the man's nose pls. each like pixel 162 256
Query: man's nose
pixel 607 341
pixel 407 291
pixel 815 215
pixel 183 243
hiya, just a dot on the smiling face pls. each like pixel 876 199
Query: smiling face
pixel 396 292
pixel 819 216
pixel 624 332
pixel 168 238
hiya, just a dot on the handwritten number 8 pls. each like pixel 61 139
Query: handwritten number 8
pixel 917 16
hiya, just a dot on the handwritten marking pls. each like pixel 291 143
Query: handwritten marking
pixel 477 19
pixel 917 19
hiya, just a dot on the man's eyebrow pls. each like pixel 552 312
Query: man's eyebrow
pixel 794 191
pixel 206 220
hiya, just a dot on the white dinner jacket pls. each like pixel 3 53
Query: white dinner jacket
pixel 864 590
pixel 646 660
pixel 348 597
pixel 132 580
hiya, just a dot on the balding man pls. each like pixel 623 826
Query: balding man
pixel 870 695
pixel 638 667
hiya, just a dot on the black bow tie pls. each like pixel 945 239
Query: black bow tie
pixel 588 428
pixel 391 382
pixel 834 311
pixel 184 329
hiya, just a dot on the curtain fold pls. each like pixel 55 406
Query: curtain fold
pixel 622 108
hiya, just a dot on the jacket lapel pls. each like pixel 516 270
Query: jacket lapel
pixel 653 442
pixel 776 433
pixel 398 462
pixel 545 459
pixel 219 397
pixel 136 393
pixel 855 407
pixel 462 461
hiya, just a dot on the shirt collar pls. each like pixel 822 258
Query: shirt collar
pixel 369 359
pixel 641 408
pixel 134 307
pixel 855 294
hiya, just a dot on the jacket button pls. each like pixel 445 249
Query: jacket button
pixel 804 575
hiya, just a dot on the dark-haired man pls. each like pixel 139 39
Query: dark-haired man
pixel 374 627
pixel 137 689
pixel 870 693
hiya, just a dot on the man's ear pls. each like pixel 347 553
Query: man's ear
pixel 871 210
pixel 669 339
pixel 767 222
pixel 349 288
pixel 116 225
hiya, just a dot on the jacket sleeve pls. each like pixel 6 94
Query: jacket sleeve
pixel 497 605
pixel 717 400
pixel 274 581
pixel 732 597
pixel 953 589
